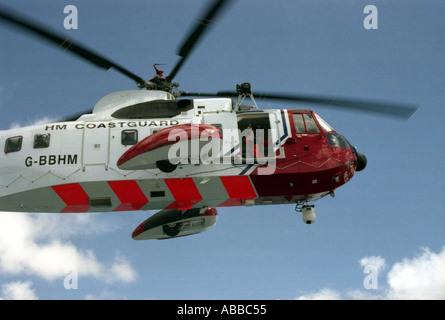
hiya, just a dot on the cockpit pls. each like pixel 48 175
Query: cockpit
pixel 306 123
pixel 334 138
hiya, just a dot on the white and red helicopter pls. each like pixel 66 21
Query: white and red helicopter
pixel 155 150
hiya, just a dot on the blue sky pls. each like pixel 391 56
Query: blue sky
pixel 390 216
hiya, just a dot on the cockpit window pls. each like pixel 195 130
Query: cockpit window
pixel 311 126
pixel 324 125
pixel 299 123
pixel 337 140
pixel 305 123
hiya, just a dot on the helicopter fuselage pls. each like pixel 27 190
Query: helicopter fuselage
pixel 79 166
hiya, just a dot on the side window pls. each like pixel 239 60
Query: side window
pixel 305 123
pixel 129 137
pixel 13 144
pixel 299 123
pixel 41 140
pixel 311 126
pixel 217 126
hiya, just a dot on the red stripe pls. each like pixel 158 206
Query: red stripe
pixel 184 191
pixel 74 196
pixel 130 195
pixel 239 189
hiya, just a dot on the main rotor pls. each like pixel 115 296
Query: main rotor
pixel 158 82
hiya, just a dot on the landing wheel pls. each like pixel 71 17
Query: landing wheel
pixel 172 229
pixel 166 166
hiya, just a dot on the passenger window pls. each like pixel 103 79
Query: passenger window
pixel 41 140
pixel 129 137
pixel 13 144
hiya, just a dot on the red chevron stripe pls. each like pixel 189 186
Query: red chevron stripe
pixel 74 196
pixel 239 189
pixel 130 195
pixel 184 191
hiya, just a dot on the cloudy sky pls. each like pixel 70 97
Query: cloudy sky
pixel 381 237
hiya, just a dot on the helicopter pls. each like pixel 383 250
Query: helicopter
pixel 183 153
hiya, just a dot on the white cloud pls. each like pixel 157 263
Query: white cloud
pixel 30 245
pixel 121 266
pixel 43 120
pixel 324 294
pixel 18 291
pixel 104 295
pixel 421 277
pixel 377 262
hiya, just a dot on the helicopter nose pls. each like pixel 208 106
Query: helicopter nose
pixel 361 161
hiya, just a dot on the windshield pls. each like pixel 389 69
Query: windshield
pixel 324 125
pixel 335 139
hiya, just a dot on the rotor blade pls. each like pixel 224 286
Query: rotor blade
pixel 394 109
pixel 398 110
pixel 196 34
pixel 27 24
